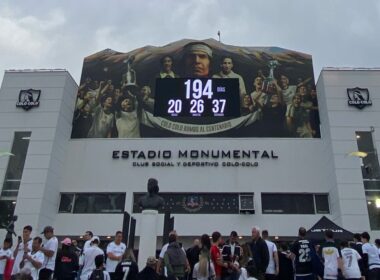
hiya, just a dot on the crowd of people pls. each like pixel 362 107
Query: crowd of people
pixel 209 258
pixel 107 108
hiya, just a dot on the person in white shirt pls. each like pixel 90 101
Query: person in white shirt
pixel 251 272
pixel 87 244
pixel 49 248
pixel 273 266
pixel 166 68
pixel 377 243
pixel 33 260
pixel 204 269
pixel 24 244
pixel 87 237
pixel 371 258
pixel 115 252
pixel 331 256
pixel 288 91
pixel 127 122
pixel 243 274
pixel 5 255
pixel 89 258
pixel 350 259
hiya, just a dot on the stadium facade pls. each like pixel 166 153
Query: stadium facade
pixel 208 183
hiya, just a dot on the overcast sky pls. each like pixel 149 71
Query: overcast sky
pixel 59 34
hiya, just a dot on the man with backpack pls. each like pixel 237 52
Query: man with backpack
pixel 175 260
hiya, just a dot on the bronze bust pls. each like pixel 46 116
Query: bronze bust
pixel 151 200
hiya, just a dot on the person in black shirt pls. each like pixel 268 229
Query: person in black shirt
pixel 301 254
pixel 358 247
pixel 273 122
pixel 66 263
pixel 192 254
pixel 260 253
pixel 231 253
pixel 285 263
pixel 127 267
pixel 149 272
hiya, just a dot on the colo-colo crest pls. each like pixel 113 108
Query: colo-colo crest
pixel 358 97
pixel 28 98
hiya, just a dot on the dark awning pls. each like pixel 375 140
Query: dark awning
pixel 317 232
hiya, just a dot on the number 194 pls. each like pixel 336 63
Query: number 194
pixel 195 89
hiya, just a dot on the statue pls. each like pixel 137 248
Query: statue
pixel 151 200
pixel 10 228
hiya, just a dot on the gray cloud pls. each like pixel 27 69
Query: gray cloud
pixel 59 34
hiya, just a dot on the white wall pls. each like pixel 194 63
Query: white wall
pixel 343 122
pixel 50 124
pixel 90 168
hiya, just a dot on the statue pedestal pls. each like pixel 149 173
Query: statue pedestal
pixel 148 238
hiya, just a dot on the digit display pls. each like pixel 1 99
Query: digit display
pixel 189 97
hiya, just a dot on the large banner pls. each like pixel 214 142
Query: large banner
pixel 197 89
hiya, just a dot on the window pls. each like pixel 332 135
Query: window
pixel 67 203
pixel 294 203
pixel 13 174
pixel 370 163
pixel 322 204
pixel 373 204
pixel 7 208
pixel 15 166
pixel 91 203
pixel 371 176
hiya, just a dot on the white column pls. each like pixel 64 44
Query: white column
pixel 148 238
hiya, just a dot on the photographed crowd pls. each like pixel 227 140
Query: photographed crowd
pixel 112 109
pixel 210 258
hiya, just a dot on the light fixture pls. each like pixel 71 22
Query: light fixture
pixel 276 237
pixel 377 202
pixel 358 154
pixel 108 237
pixel 81 237
pixel 26 138
pixel 13 202
pixel 240 237
pixel 357 136
pixel 369 202
pixel 4 153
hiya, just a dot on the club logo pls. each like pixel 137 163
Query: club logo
pixel 28 98
pixel 192 203
pixel 358 97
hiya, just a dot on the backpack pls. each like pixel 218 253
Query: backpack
pixel 175 260
pixel 97 274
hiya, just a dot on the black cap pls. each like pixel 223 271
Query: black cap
pixel 234 234
pixel 47 229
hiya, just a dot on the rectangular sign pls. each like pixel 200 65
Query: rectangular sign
pixel 195 203
pixel 186 97
pixel 195 88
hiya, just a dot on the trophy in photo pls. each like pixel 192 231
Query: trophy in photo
pixel 272 64
pixel 129 78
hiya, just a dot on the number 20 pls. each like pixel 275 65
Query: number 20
pixel 175 106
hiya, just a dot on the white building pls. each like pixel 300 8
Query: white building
pixel 309 179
